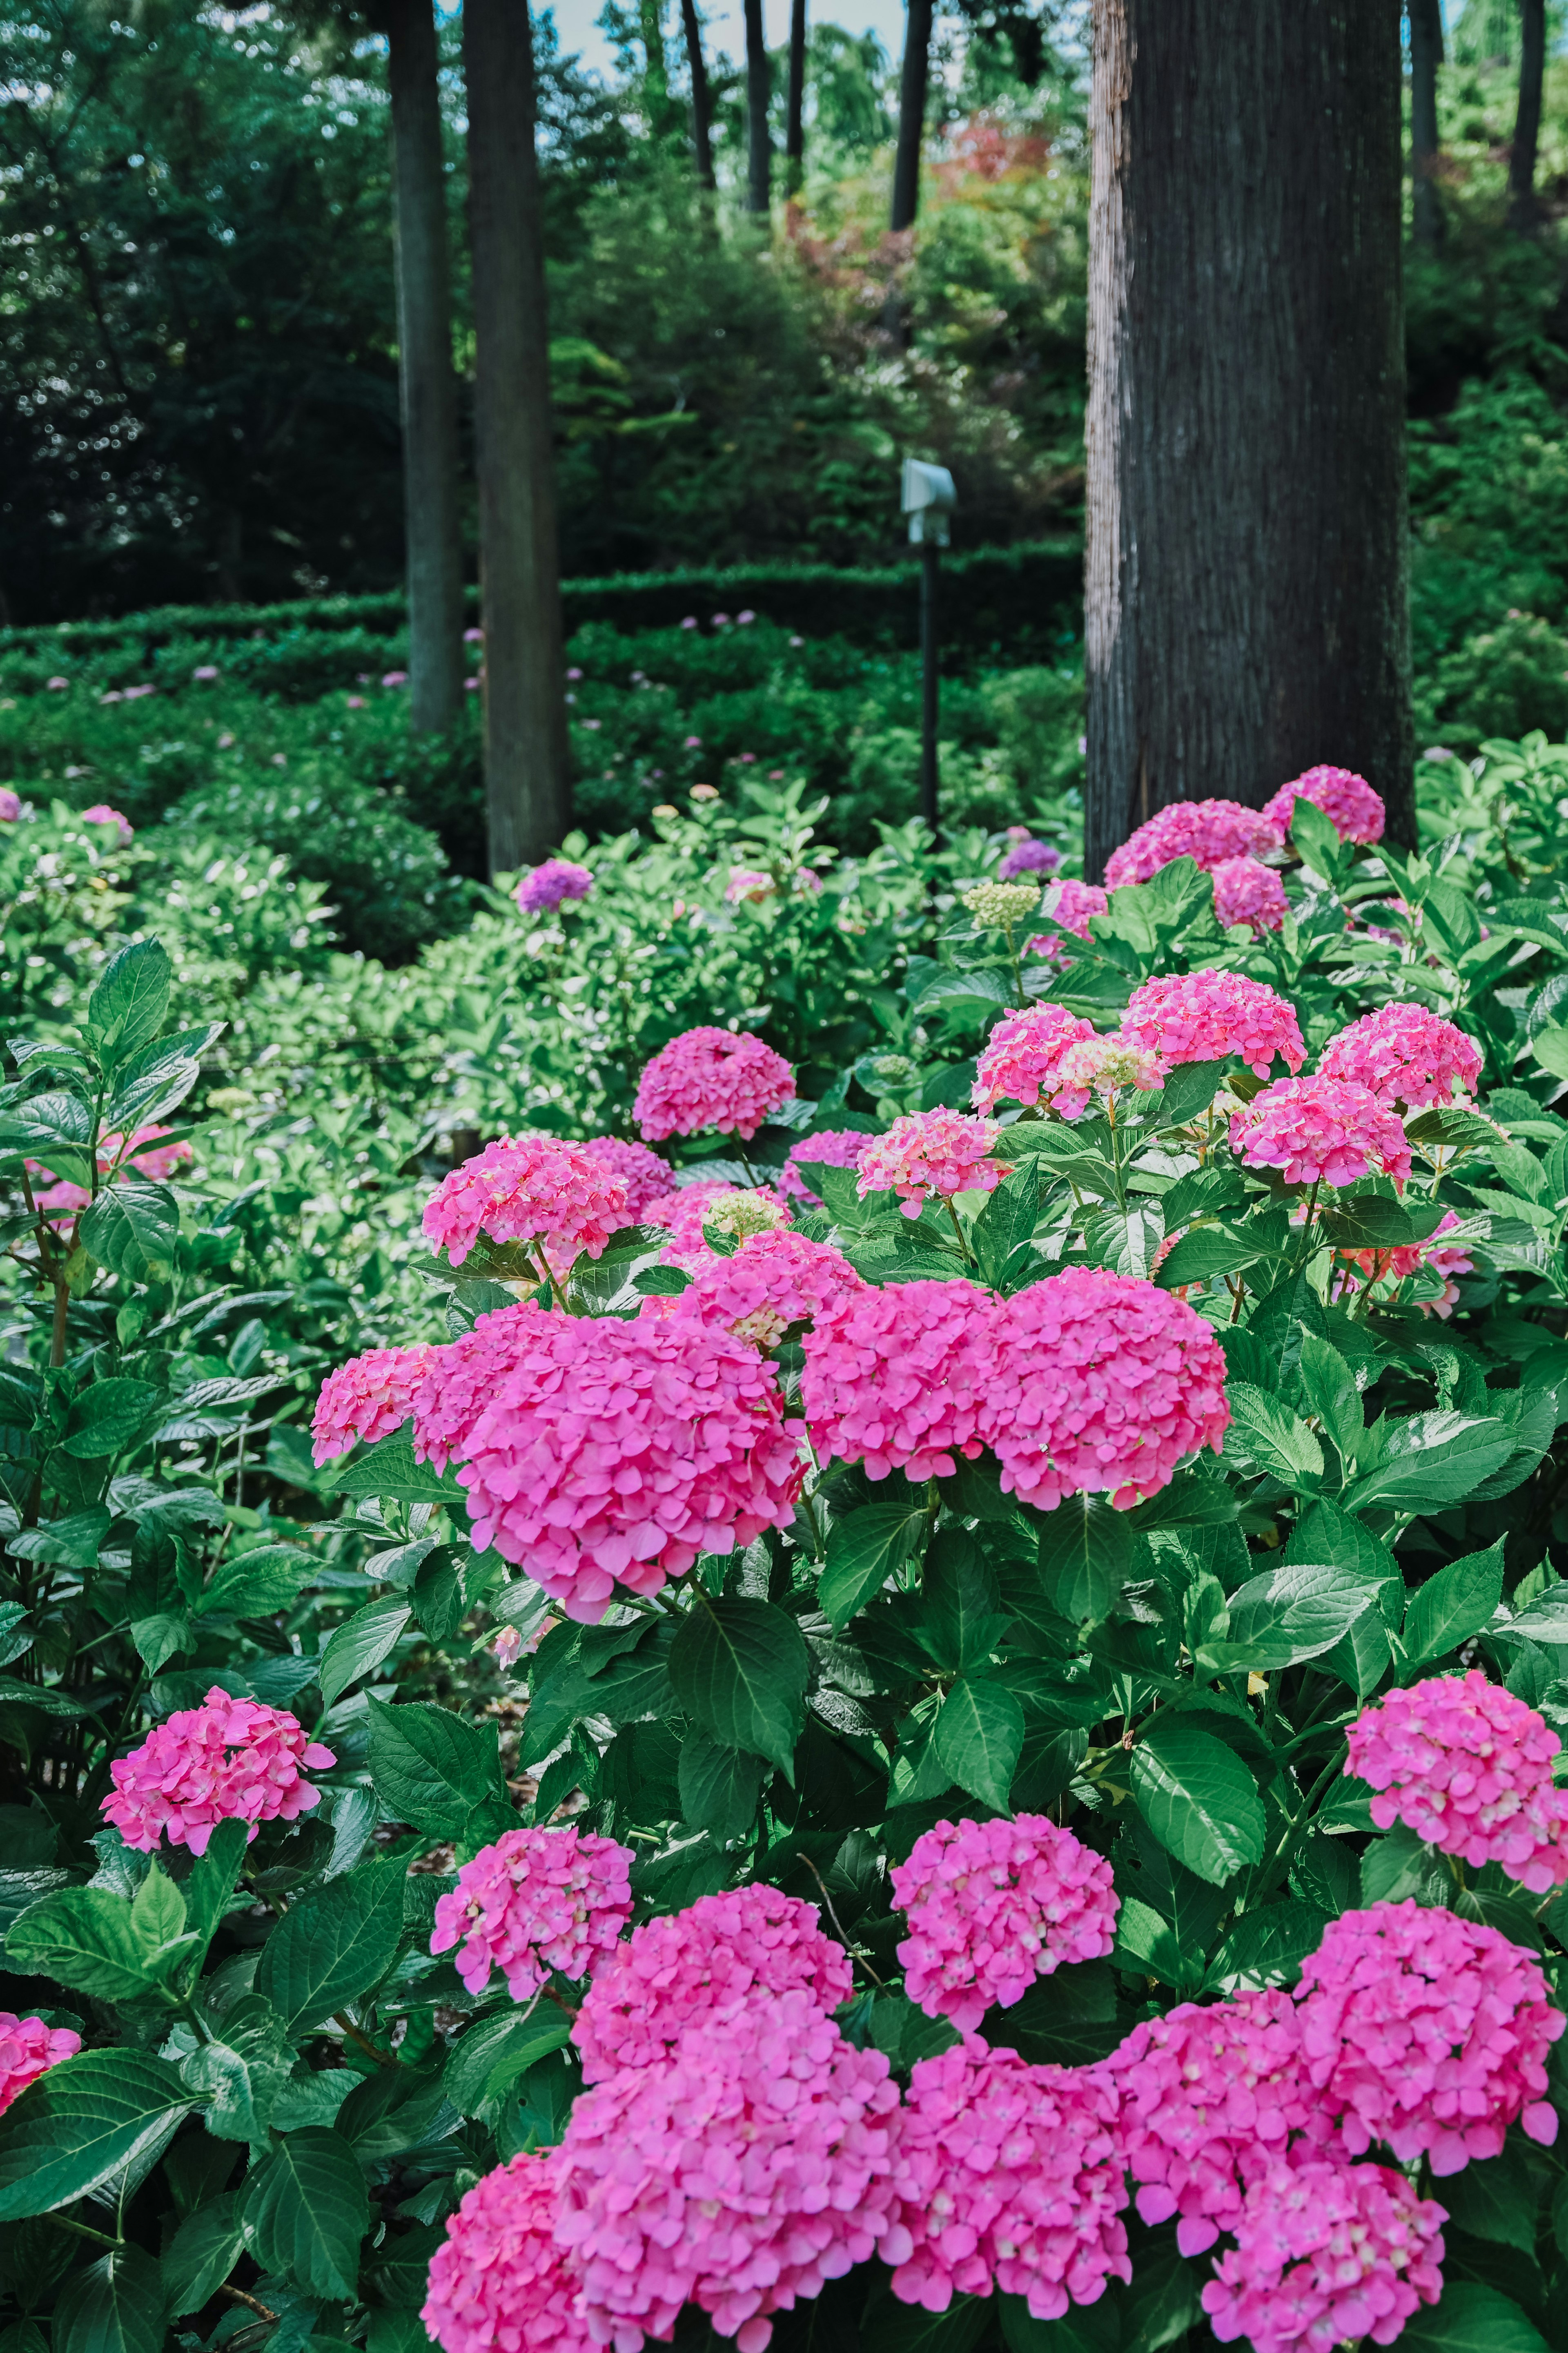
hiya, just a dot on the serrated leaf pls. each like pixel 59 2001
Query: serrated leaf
pixel 240 2074
pixel 132 1229
pixel 105 1417
pixel 1085 1557
pixel 200 2256
pixel 114 2305
pixel 864 1549
pixel 1431 1460
pixel 388 1469
pixel 1471 2318
pixel 304 2211
pixel 1198 1799
pixel 131 1001
pixel 332 1946
pixel 359 1645
pixel 740 1670
pixel 492 2054
pixel 978 1737
pixel 1452 1606
pixel 718 1786
pixel 1265 1432
pixel 254 1584
pixel 83 1937
pixel 81 2124
pixel 429 1766
pixel 1296 1610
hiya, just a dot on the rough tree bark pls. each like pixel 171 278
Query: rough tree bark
pixel 527 789
pixel 1523 212
pixel 427 388
pixel 912 85
pixel 1245 571
pixel 1425 57
pixel 702 102
pixel 795 110
pixel 759 91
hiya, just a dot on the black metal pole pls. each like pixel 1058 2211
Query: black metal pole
pixel 928 682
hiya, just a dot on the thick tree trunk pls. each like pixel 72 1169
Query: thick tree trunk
pixel 794 114
pixel 426 386
pixel 1244 582
pixel 912 84
pixel 527 790
pixel 1425 57
pixel 1523 213
pixel 759 91
pixel 701 104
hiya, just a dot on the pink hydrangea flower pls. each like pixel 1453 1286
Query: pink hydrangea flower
pixel 1074 907
pixel 773 1280
pixel 994 1905
pixel 834 1147
pixel 674 1970
pixel 1028 857
pixel 645 1176
pixel 1215 1017
pixel 543 888
pixel 368 1397
pixel 1429 2033
pixel 1102 1384
pixel 1008 2175
pixel 227 1760
pixel 1021 1059
pixel 1407 1055
pixel 1320 1130
pixel 750 2168
pixel 1207 831
pixel 157 1164
pixel 1387 1269
pixel 898 1379
pixel 101 814
pixel 10 810
pixel 1102 1066
pixel 27 2050
pixel 687 1209
pixel 1325 2255
pixel 1348 801
pixel 461 1375
pixel 1247 891
pixel 725 1079
pixel 534 1901
pixel 931 1156
pixel 499 2282
pixel 749 886
pixel 1468 1767
pixel 528 1188
pixel 615 1452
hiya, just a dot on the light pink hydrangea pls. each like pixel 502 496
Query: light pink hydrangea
pixel 543 888
pixel 749 886
pixel 674 1970
pixel 832 1148
pixel 460 1376
pixel 1407 1055
pixel 1325 2255
pixel 1468 1767
pixel 645 1176
pixel 1021 1059
pixel 1429 2033
pixel 227 1760
pixel 705 1078
pixel 1008 2175
pixel 535 1901
pixel 499 2282
pixel 1347 800
pixel 773 1280
pixel 617 1453
pixel 1320 1130
pixel 1102 1066
pixel 1247 891
pixel 994 1905
pixel 368 1397
pixel 930 1156
pixel 898 1379
pixel 29 2049
pixel 10 810
pixel 755 1210
pixel 1102 1384
pixel 1206 831
pixel 101 814
pixel 1215 1017
pixel 528 1188
pixel 1074 907
pixel 750 2167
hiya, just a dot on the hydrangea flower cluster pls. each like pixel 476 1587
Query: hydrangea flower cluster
pixel 227 1760
pixel 1247 891
pixel 461 1375
pixel 534 1901
pixel 27 2050
pixel 10 806
pixel 1348 801
pixel 994 1905
pixel 705 1078
pixel 1001 906
pixel 675 1970
pixel 1387 1269
pixel 752 2166
pixel 775 1280
pixel 931 1156
pixel 499 2282
pixel 830 1147
pixel 528 1188
pixel 1100 1066
pixel 645 1176
pixel 1428 2031
pixel 1215 1017
pixel 1407 1055
pixel 1468 1767
pixel 1021 1059
pixel 1209 832
pixel 157 1164
pixel 898 1379
pixel 1074 907
pixel 1028 856
pixel 617 1453
pixel 736 1209
pixel 543 888
pixel 1009 2175
pixel 1320 1130
pixel 101 814
pixel 1325 2255
pixel 368 1397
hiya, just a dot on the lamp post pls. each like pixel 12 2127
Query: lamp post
pixel 929 498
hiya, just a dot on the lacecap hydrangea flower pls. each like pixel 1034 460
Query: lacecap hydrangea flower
pixel 674 1970
pixel 1320 1130
pixel 499 2282
pixel 830 1147
pixel 368 1397
pixel 1347 800
pixel 1325 2255
pixel 931 1156
pixel 29 2049
pixel 528 1188
pixel 534 1901
pixel 1206 831
pixel 1247 891
pixel 1009 2175
pixel 543 888
pixel 1073 905
pixel 1407 1055
pixel 1468 1767
pixel 227 1760
pixel 898 1379
pixel 994 1905
pixel 1028 855
pixel 706 1078
pixel 1215 1017
pixel 645 1176
pixel 1021 1059
pixel 775 1280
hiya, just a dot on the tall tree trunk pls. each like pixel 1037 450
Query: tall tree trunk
pixel 794 115
pixel 1425 57
pixel 701 104
pixel 527 789
pixel 759 91
pixel 912 84
pixel 1245 573
pixel 426 386
pixel 1523 213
